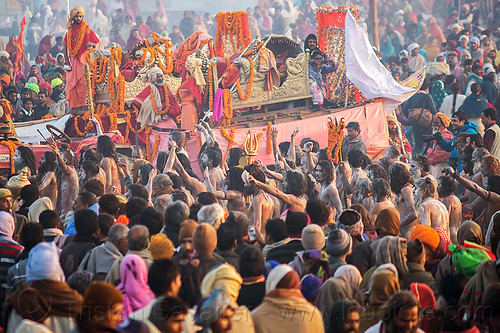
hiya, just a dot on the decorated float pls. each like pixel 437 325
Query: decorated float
pixel 241 84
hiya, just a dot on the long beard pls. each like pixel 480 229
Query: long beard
pixel 418 200
pixel 357 198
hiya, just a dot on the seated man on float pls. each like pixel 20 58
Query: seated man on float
pixel 156 102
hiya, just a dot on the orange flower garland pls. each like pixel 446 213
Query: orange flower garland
pixel 227 110
pixel 269 139
pixel 210 85
pixel 229 138
pixel 12 145
pixel 148 143
pixel 232 29
pixel 155 148
pixel 335 137
pixel 167 101
pixel 79 40
pixel 250 83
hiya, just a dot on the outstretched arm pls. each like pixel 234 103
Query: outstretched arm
pixel 193 183
pixel 287 198
pixel 60 160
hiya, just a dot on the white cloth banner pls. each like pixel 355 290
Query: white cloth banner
pixel 366 72
pixel 27 132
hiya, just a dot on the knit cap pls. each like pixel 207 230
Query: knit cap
pixel 313 237
pixel 204 238
pixel 338 243
pixel 161 247
pixel 187 229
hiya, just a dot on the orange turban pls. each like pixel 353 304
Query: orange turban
pixel 444 118
pixel 427 235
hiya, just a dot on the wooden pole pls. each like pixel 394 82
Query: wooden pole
pixel 374 24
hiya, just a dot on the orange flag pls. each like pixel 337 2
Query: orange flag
pixel 19 61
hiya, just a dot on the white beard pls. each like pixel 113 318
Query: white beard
pixel 476 168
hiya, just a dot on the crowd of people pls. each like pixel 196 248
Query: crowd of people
pixel 404 242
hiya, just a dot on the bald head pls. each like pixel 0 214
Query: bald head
pixel 138 238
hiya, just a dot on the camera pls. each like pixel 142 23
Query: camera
pixel 436 136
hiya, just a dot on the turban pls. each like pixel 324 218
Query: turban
pixel 354 228
pixel 282 277
pixel 33 86
pixel 412 47
pixel 444 118
pixel 391 117
pixel 339 243
pixel 5 78
pixel 313 237
pixel 55 82
pixel 43 263
pixel 40 205
pixel 72 14
pixel 211 308
pixel 224 277
pixel 427 235
pixel 151 75
pixel 310 286
pixel 4 54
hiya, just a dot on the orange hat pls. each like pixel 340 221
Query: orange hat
pixel 427 235
pixel 161 247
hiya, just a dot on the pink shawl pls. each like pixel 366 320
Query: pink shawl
pixel 134 284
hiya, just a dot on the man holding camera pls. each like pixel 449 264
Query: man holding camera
pixel 438 158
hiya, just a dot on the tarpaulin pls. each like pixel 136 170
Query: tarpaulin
pixel 371 118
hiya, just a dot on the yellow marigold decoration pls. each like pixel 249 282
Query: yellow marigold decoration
pixel 167 101
pixel 48 116
pixel 227 110
pixel 228 137
pixel 210 85
pixel 198 141
pixel 269 139
pixel 335 137
pixel 12 145
pixel 79 40
pixel 250 83
pixel 156 144
pixel 148 144
pixel 232 29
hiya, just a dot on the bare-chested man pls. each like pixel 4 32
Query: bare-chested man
pixel 211 158
pixel 446 190
pixel 47 178
pixel 234 190
pixel 325 175
pixel 432 211
pixel 67 180
pixel 261 207
pixel 109 163
pixel 382 193
pixel 491 194
pixel 402 187
pixel 24 157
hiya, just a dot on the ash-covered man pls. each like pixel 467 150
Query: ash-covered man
pixel 81 37
pixel 394 139
pixel 156 101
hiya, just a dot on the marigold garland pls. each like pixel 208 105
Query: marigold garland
pixel 156 144
pixel 250 83
pixel 79 40
pixel 227 110
pixel 148 143
pixel 269 138
pixel 233 30
pixel 12 145
pixel 228 137
pixel 210 85
pixel 335 137
pixel 167 101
